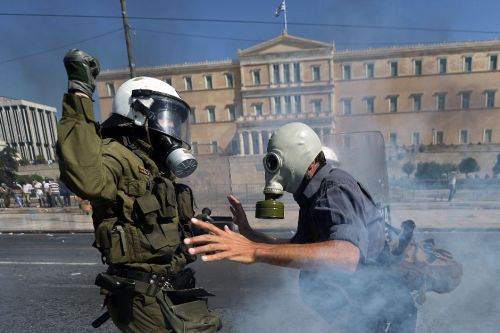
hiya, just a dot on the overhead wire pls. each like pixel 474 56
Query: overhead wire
pixel 311 24
pixel 59 47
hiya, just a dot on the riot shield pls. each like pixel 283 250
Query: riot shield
pixel 211 183
pixel 362 154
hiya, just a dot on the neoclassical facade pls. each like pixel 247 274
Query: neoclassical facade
pixel 422 94
pixel 237 104
pixel 28 127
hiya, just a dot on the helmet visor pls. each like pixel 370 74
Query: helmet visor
pixel 170 116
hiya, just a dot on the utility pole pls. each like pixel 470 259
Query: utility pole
pixel 126 28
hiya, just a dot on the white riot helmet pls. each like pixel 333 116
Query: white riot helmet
pixel 331 156
pixel 290 151
pixel 146 99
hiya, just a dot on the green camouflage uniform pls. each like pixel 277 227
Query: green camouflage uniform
pixel 138 216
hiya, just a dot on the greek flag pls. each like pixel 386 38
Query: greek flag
pixel 280 8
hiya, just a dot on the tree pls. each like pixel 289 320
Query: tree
pixel 8 165
pixel 39 159
pixel 24 161
pixel 496 167
pixel 448 167
pixel 468 165
pixel 408 168
pixel 428 171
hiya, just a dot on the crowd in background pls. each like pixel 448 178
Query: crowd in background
pixel 46 194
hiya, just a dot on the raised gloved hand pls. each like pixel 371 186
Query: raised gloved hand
pixel 82 69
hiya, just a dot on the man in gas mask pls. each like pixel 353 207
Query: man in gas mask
pixel 339 244
pixel 127 168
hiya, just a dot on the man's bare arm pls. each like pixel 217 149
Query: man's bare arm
pixel 229 245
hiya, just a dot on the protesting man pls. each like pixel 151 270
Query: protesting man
pixel 339 243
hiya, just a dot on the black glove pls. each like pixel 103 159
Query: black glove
pixel 82 69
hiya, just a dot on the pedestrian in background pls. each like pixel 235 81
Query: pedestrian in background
pixel 55 194
pixel 17 189
pixel 27 188
pixel 40 196
pixel 46 192
pixel 452 184
pixel 6 192
pixel 65 193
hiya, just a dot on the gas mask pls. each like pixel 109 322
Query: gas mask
pixel 290 152
pixel 168 127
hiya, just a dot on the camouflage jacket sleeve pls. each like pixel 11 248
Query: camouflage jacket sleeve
pixel 84 168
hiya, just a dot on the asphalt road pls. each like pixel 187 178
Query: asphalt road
pixel 47 286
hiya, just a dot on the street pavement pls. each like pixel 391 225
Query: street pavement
pixel 457 215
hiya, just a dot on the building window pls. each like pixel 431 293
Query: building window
pixel 277 104
pixel 440 101
pixel 213 147
pixel 438 138
pixel 468 64
pixel 288 104
pixel 193 116
pixel 415 138
pixel 257 110
pixel 370 104
pixel 393 103
pixel 296 72
pixel 229 80
pixel 231 112
pixel 416 101
pixel 465 99
pixel 211 114
pixel 370 71
pixel 286 73
pixel 393 139
pixel 493 62
pixel 346 106
pixel 488 136
pixel 194 147
pixel 208 82
pixel 490 98
pixel 298 104
pixel 442 65
pixel 256 77
pixel 188 83
pixel 276 73
pixel 346 72
pixel 315 73
pixel 417 67
pixel 463 136
pixel 168 80
pixel 393 65
pixel 110 88
pixel 316 104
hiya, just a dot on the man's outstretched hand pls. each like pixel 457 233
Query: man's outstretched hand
pixel 222 244
pixel 82 69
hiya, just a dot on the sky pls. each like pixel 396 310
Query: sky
pixel 36 34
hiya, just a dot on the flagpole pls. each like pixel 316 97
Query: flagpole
pixel 286 29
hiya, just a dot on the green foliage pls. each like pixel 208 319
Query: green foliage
pixel 408 168
pixel 8 165
pixel 24 161
pixel 468 165
pixel 496 167
pixel 40 159
pixel 23 179
pixel 429 170
pixel 448 167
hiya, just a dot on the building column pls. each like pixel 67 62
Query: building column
pixel 250 143
pixel 261 146
pixel 242 144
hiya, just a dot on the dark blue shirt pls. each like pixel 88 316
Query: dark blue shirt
pixel 334 206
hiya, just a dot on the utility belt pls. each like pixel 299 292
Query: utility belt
pixel 122 284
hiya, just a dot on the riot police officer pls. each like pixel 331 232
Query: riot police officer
pixel 128 168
